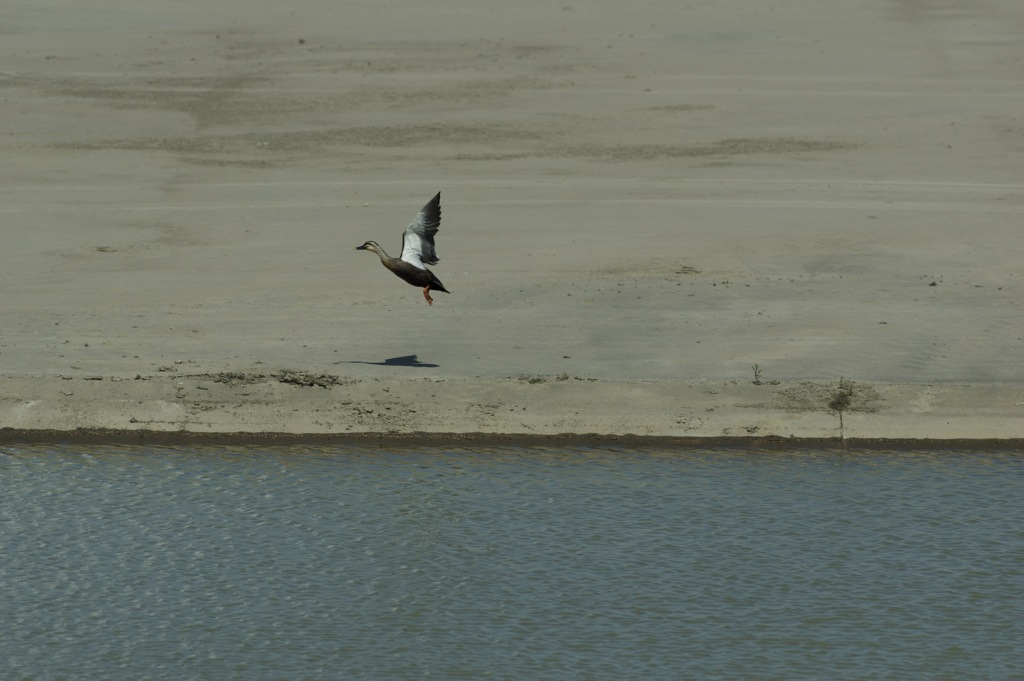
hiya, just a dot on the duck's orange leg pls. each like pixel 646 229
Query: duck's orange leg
pixel 426 294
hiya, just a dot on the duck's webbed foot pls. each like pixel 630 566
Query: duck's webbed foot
pixel 426 294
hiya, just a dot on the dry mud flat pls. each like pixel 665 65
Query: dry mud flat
pixel 299 403
pixel 641 201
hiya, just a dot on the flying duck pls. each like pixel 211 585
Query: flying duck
pixel 417 250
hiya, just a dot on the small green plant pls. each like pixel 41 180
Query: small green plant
pixel 840 401
pixel 757 373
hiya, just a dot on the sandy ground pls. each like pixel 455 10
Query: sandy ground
pixel 641 203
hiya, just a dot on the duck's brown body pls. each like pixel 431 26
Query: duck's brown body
pixel 416 276
pixel 417 248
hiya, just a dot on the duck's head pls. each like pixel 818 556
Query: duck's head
pixel 371 246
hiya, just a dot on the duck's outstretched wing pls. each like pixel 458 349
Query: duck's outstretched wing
pixel 418 239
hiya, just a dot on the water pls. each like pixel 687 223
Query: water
pixel 360 563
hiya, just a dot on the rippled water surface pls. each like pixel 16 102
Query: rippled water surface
pixel 360 563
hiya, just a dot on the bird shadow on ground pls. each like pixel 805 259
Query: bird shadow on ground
pixel 403 361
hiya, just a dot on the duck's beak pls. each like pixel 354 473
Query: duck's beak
pixel 360 248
